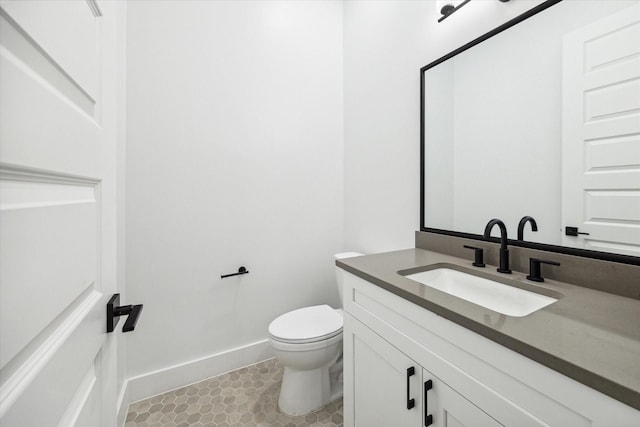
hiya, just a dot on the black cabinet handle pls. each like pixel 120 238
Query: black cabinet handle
pixel 410 402
pixel 428 418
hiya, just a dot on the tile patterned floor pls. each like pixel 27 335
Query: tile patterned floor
pixel 247 397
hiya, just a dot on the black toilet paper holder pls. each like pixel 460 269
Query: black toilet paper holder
pixel 241 270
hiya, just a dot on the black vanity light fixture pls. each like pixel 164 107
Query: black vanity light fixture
pixel 447 7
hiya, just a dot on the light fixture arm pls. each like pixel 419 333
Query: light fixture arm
pixel 446 8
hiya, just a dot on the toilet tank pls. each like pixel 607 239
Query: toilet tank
pixel 342 255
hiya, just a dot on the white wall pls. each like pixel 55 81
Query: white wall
pixel 234 157
pixel 385 44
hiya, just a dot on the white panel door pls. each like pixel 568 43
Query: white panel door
pixel 382 384
pixel 58 131
pixel 601 134
pixel 448 408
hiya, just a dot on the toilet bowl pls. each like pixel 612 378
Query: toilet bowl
pixel 308 343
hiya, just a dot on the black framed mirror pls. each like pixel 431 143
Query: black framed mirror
pixel 501 120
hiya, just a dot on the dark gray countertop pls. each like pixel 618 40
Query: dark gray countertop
pixel 588 335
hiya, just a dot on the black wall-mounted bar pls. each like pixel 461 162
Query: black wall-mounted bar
pixel 241 270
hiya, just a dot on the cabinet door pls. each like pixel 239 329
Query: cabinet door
pixel 450 409
pixel 386 383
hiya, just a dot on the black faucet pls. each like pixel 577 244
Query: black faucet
pixel 504 252
pixel 521 224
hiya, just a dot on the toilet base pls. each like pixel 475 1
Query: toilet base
pixel 303 392
pixel 335 379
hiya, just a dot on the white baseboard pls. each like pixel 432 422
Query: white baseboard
pixel 163 380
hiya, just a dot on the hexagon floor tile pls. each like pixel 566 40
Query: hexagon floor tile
pixel 247 397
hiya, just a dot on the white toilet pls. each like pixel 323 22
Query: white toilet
pixel 308 342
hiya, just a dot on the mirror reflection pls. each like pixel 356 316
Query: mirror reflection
pixel 541 120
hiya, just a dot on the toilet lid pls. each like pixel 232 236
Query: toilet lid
pixel 307 324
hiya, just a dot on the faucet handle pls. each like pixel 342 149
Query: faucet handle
pixel 534 269
pixel 478 256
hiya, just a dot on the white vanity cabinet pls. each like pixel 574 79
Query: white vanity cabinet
pixel 392 347
pixel 394 390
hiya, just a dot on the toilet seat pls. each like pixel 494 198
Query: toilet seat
pixel 306 325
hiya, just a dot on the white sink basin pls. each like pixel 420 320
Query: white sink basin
pixel 495 296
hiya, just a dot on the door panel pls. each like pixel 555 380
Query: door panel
pixel 84 408
pixel 41 106
pixel 380 381
pixel 68 35
pixel 55 261
pixel 601 134
pixel 58 126
pixel 450 409
pixel 54 373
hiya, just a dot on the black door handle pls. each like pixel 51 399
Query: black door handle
pixel 132 318
pixel 428 418
pixel 410 402
pixel 573 231
pixel 115 310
